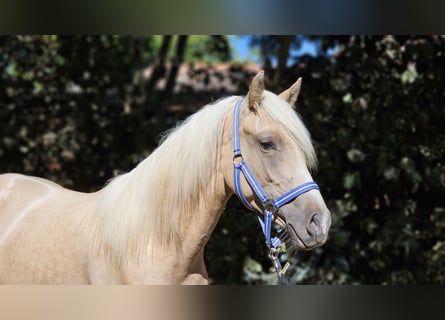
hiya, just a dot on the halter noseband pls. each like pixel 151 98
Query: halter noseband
pixel 270 206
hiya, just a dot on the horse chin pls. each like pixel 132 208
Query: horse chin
pixel 289 236
pixel 294 241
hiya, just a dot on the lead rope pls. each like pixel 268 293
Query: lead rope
pixel 273 253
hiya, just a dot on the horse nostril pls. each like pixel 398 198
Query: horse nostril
pixel 314 225
pixel 315 219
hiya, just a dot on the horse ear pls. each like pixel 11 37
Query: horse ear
pixel 291 94
pixel 256 89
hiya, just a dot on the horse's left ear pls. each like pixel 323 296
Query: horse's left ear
pixel 256 90
pixel 291 94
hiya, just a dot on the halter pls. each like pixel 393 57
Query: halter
pixel 270 206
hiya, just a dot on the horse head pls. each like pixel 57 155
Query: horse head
pixel 276 147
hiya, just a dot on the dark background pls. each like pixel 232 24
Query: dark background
pixel 81 109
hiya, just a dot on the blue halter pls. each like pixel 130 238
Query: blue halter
pixel 270 206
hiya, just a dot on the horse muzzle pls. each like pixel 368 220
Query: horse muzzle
pixel 308 228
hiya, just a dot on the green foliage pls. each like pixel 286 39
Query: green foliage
pixel 200 49
pixel 65 108
pixel 376 115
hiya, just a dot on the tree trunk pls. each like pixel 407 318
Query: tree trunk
pixel 176 63
pixel 158 69
pixel 283 54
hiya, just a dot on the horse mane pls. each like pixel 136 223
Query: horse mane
pixel 147 206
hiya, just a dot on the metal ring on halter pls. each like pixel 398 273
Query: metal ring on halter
pixel 269 205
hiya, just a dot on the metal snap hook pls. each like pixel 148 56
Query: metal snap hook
pixel 273 256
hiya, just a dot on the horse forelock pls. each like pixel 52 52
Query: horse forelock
pixel 283 113
pixel 147 206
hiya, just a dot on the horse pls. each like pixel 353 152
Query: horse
pixel 151 224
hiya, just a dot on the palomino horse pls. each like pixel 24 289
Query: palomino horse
pixel 150 225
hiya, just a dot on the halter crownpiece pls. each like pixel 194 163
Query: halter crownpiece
pixel 270 206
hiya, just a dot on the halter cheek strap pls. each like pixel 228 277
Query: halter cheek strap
pixel 270 206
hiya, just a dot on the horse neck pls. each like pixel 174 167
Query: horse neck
pixel 197 230
pixel 171 199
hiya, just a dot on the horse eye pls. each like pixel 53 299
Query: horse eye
pixel 267 145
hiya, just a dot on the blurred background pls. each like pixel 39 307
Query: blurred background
pixel 81 109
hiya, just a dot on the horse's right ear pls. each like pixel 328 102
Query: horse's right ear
pixel 256 90
pixel 291 94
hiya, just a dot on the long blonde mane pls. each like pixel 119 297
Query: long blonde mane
pixel 147 205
